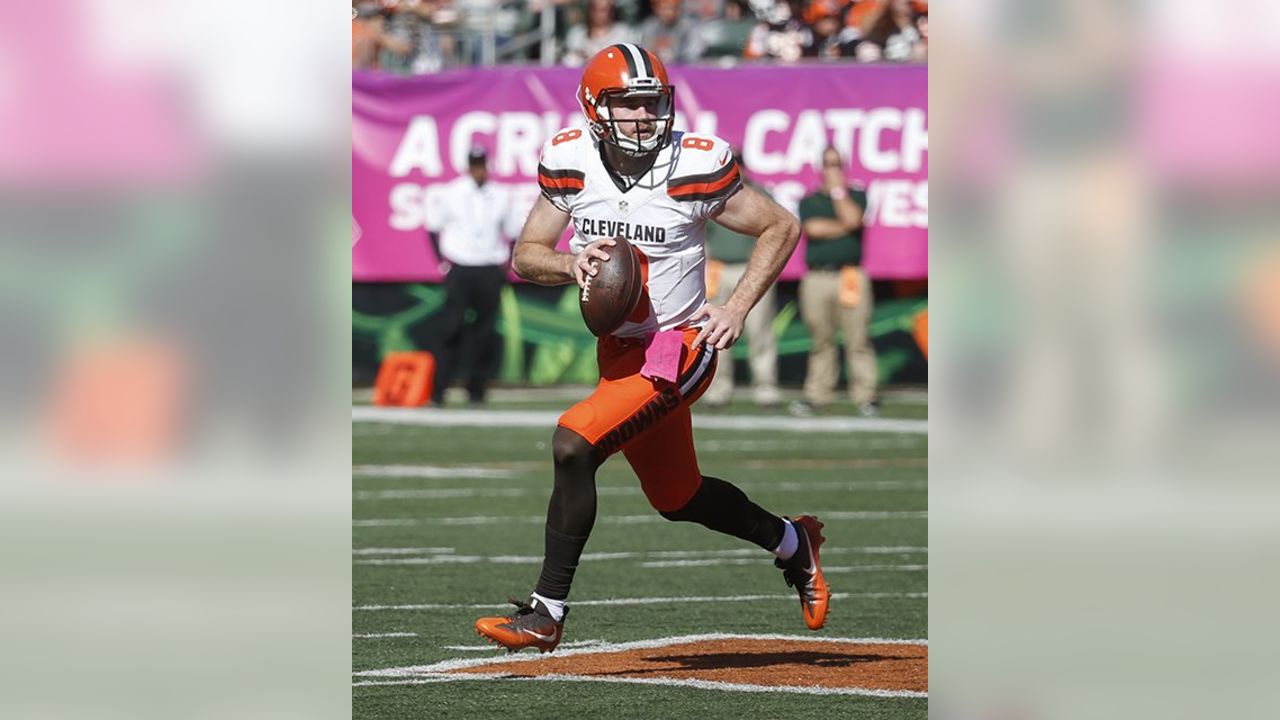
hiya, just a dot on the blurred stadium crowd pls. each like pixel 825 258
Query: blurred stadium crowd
pixel 425 36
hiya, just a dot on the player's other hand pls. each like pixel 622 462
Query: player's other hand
pixel 723 327
pixel 586 262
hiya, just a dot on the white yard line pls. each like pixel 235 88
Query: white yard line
pixel 443 671
pixel 790 597
pixel 634 490
pixel 879 550
pixel 402 551
pixel 762 561
pixel 470 560
pixel 671 682
pixel 444 493
pixel 437 417
pixel 749 553
pixel 650 644
pixel 427 471
pixel 866 549
pixel 431 560
pixel 495 648
pixel 392 522
pixel 613 519
pixel 374 636
pixel 710 562
pixel 416 681
pixel 537 560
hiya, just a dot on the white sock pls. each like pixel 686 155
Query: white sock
pixel 790 542
pixel 556 607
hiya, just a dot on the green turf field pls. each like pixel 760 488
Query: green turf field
pixel 453 516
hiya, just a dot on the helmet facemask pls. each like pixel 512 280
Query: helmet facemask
pixel 610 129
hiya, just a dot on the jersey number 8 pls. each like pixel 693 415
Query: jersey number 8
pixel 697 143
pixel 566 136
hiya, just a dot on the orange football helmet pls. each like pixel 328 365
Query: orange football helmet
pixel 626 71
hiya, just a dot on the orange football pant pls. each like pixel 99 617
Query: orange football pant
pixel 648 420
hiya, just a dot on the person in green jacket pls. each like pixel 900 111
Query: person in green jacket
pixel 836 293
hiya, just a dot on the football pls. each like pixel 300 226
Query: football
pixel 615 290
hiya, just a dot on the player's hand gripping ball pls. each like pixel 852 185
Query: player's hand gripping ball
pixel 612 293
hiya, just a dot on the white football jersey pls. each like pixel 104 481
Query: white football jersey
pixel 663 215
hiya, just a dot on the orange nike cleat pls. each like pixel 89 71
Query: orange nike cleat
pixel 531 625
pixel 804 573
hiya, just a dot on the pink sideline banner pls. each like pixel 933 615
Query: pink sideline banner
pixel 410 135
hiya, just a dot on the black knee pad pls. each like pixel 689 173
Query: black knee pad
pixel 569 449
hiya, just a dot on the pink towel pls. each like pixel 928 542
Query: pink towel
pixel 662 356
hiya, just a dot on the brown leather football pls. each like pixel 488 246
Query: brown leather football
pixel 615 290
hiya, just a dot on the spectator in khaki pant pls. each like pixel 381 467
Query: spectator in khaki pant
pixel 836 293
pixel 727 255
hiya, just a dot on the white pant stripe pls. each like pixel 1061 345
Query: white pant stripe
pixel 703 363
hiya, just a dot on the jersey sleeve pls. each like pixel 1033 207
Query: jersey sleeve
pixel 560 177
pixel 706 174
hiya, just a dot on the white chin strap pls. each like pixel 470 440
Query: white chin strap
pixel 644 145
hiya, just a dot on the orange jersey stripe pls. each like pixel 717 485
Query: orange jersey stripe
pixel 707 187
pixel 560 183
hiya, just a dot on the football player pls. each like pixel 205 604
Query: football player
pixel 627 173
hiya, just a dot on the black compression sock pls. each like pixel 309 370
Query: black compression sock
pixel 559 564
pixel 724 508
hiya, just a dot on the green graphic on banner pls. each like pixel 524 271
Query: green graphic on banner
pixel 545 342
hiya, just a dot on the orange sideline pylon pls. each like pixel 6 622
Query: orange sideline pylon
pixel 405 379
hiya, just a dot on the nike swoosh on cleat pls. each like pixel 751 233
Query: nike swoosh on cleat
pixel 813 566
pixel 544 638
